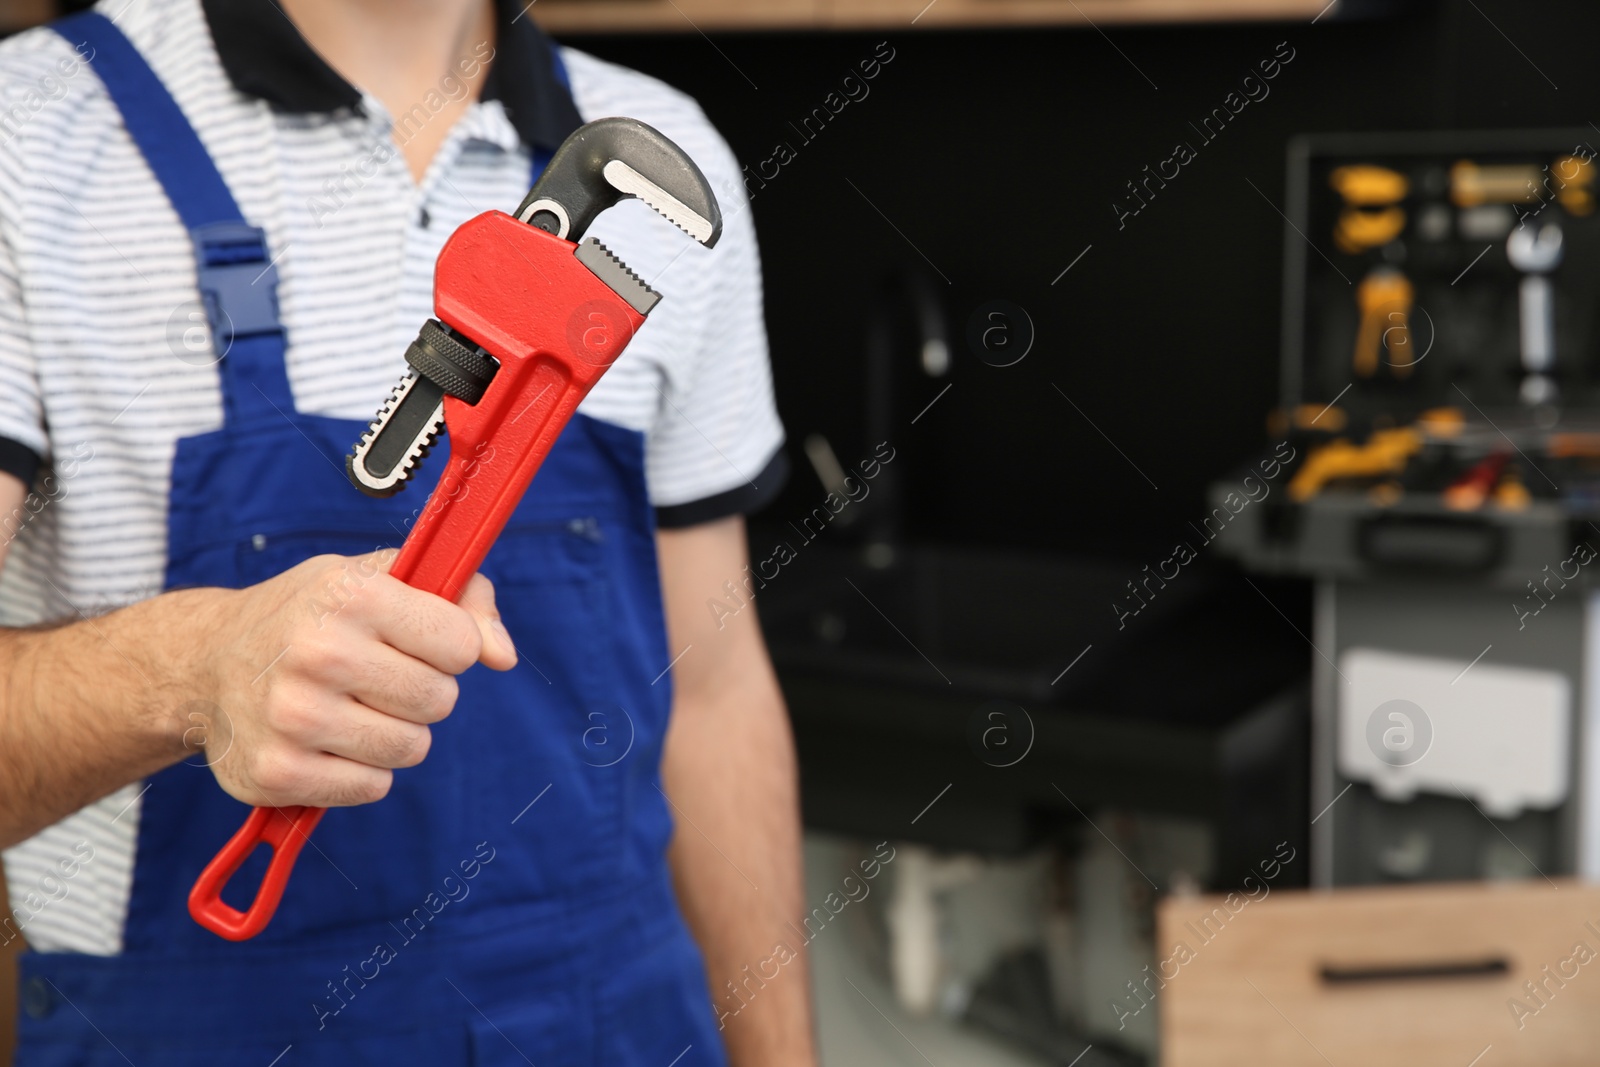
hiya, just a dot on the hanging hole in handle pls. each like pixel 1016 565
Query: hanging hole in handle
pixel 285 831
pixel 1422 971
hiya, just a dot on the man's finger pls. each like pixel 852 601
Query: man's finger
pixel 370 737
pixel 499 651
pixel 421 625
pixel 396 684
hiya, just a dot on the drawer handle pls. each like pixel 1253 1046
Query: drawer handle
pixel 1409 972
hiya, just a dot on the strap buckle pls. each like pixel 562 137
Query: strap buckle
pixel 238 281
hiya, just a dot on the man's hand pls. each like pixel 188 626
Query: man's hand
pixel 330 675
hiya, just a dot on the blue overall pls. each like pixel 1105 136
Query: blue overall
pixel 509 902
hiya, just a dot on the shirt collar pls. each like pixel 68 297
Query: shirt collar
pixel 265 56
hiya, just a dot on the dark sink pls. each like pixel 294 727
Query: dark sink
pixel 1036 629
pixel 886 669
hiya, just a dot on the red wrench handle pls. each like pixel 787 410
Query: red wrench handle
pixel 554 328
pixel 285 829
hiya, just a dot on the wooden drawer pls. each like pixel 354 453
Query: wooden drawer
pixel 898 14
pixel 1409 977
pixel 687 16
pixel 682 16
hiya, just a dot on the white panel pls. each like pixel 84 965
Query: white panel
pixel 1589 737
pixel 1499 735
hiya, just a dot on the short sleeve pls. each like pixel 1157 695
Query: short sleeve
pixel 716 448
pixel 22 430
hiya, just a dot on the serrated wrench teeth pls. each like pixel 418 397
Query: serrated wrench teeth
pixel 407 426
pixel 617 276
pixel 627 180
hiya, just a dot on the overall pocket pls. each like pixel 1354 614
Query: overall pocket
pixel 543 729
pixel 267 553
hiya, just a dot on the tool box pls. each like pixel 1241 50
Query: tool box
pixel 1439 434
pixel 1441 357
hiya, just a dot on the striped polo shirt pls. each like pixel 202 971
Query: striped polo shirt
pixel 105 359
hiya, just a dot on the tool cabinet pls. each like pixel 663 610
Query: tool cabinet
pixel 1441 393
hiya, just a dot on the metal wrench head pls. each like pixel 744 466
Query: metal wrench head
pixel 1535 249
pixel 610 160
pixel 598 166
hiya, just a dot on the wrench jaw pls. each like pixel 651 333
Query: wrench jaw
pixel 410 421
pixel 379 476
pixel 610 160
pixel 619 278
pixel 693 222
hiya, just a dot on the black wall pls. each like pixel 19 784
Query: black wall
pixel 999 154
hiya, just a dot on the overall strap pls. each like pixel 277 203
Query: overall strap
pixel 541 155
pixel 237 280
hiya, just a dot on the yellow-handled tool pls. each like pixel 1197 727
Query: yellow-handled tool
pixel 1384 297
pixel 1386 452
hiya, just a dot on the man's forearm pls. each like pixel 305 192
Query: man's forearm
pixel 87 707
pixel 730 773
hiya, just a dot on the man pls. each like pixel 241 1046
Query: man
pixel 194 602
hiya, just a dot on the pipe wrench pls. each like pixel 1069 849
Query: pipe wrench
pixel 530 315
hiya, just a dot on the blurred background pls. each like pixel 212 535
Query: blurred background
pixel 1181 592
